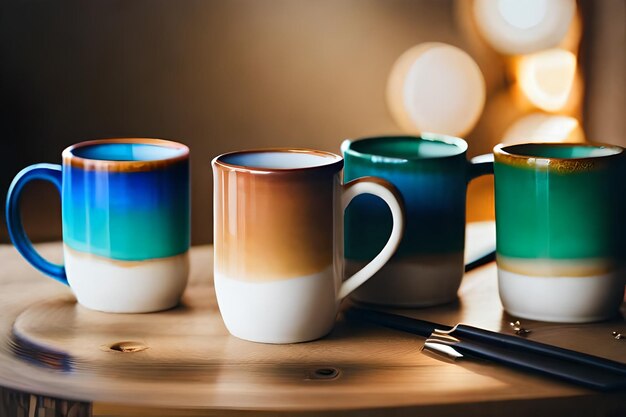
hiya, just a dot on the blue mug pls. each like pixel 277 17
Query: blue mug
pixel 126 222
pixel 431 172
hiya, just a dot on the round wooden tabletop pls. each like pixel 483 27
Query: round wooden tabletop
pixel 184 361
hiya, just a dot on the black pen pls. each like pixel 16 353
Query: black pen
pixel 453 343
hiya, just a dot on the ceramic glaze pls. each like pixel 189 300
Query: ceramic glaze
pixel 298 309
pixel 560 230
pixel 251 215
pixel 118 151
pixel 278 241
pixel 565 299
pixel 126 222
pixel 279 160
pixel 116 286
pixel 126 215
pixel 431 172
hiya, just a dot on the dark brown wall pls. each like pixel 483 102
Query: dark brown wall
pixel 216 75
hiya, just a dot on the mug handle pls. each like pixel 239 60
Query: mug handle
pixel 386 191
pixel 46 172
pixel 479 166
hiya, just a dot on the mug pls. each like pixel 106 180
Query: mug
pixel 125 215
pixel 278 236
pixel 560 230
pixel 431 172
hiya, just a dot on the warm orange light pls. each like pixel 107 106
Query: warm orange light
pixel 546 78
pixel 540 127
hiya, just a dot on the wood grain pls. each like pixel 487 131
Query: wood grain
pixel 191 367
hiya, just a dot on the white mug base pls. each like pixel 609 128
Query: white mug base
pixel 420 282
pixel 561 299
pixel 281 311
pixel 114 286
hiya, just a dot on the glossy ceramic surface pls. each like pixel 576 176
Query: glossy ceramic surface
pixel 560 223
pixel 431 172
pixel 278 241
pixel 274 224
pixel 126 201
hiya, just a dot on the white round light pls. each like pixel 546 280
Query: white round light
pixel 523 14
pixel 435 87
pixel 523 26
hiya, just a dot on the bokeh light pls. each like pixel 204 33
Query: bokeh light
pixel 541 127
pixel 515 27
pixel 546 78
pixel 435 87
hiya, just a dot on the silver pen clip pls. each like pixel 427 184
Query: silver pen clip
pixel 440 345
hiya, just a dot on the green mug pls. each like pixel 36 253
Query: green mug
pixel 561 230
pixel 431 172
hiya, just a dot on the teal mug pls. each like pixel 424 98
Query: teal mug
pixel 431 172
pixel 561 230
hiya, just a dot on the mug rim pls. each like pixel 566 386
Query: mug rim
pixel 337 163
pixel 70 158
pixel 460 143
pixel 503 152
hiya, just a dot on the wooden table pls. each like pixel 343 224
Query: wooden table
pixel 53 349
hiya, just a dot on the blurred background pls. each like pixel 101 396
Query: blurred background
pixel 233 74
